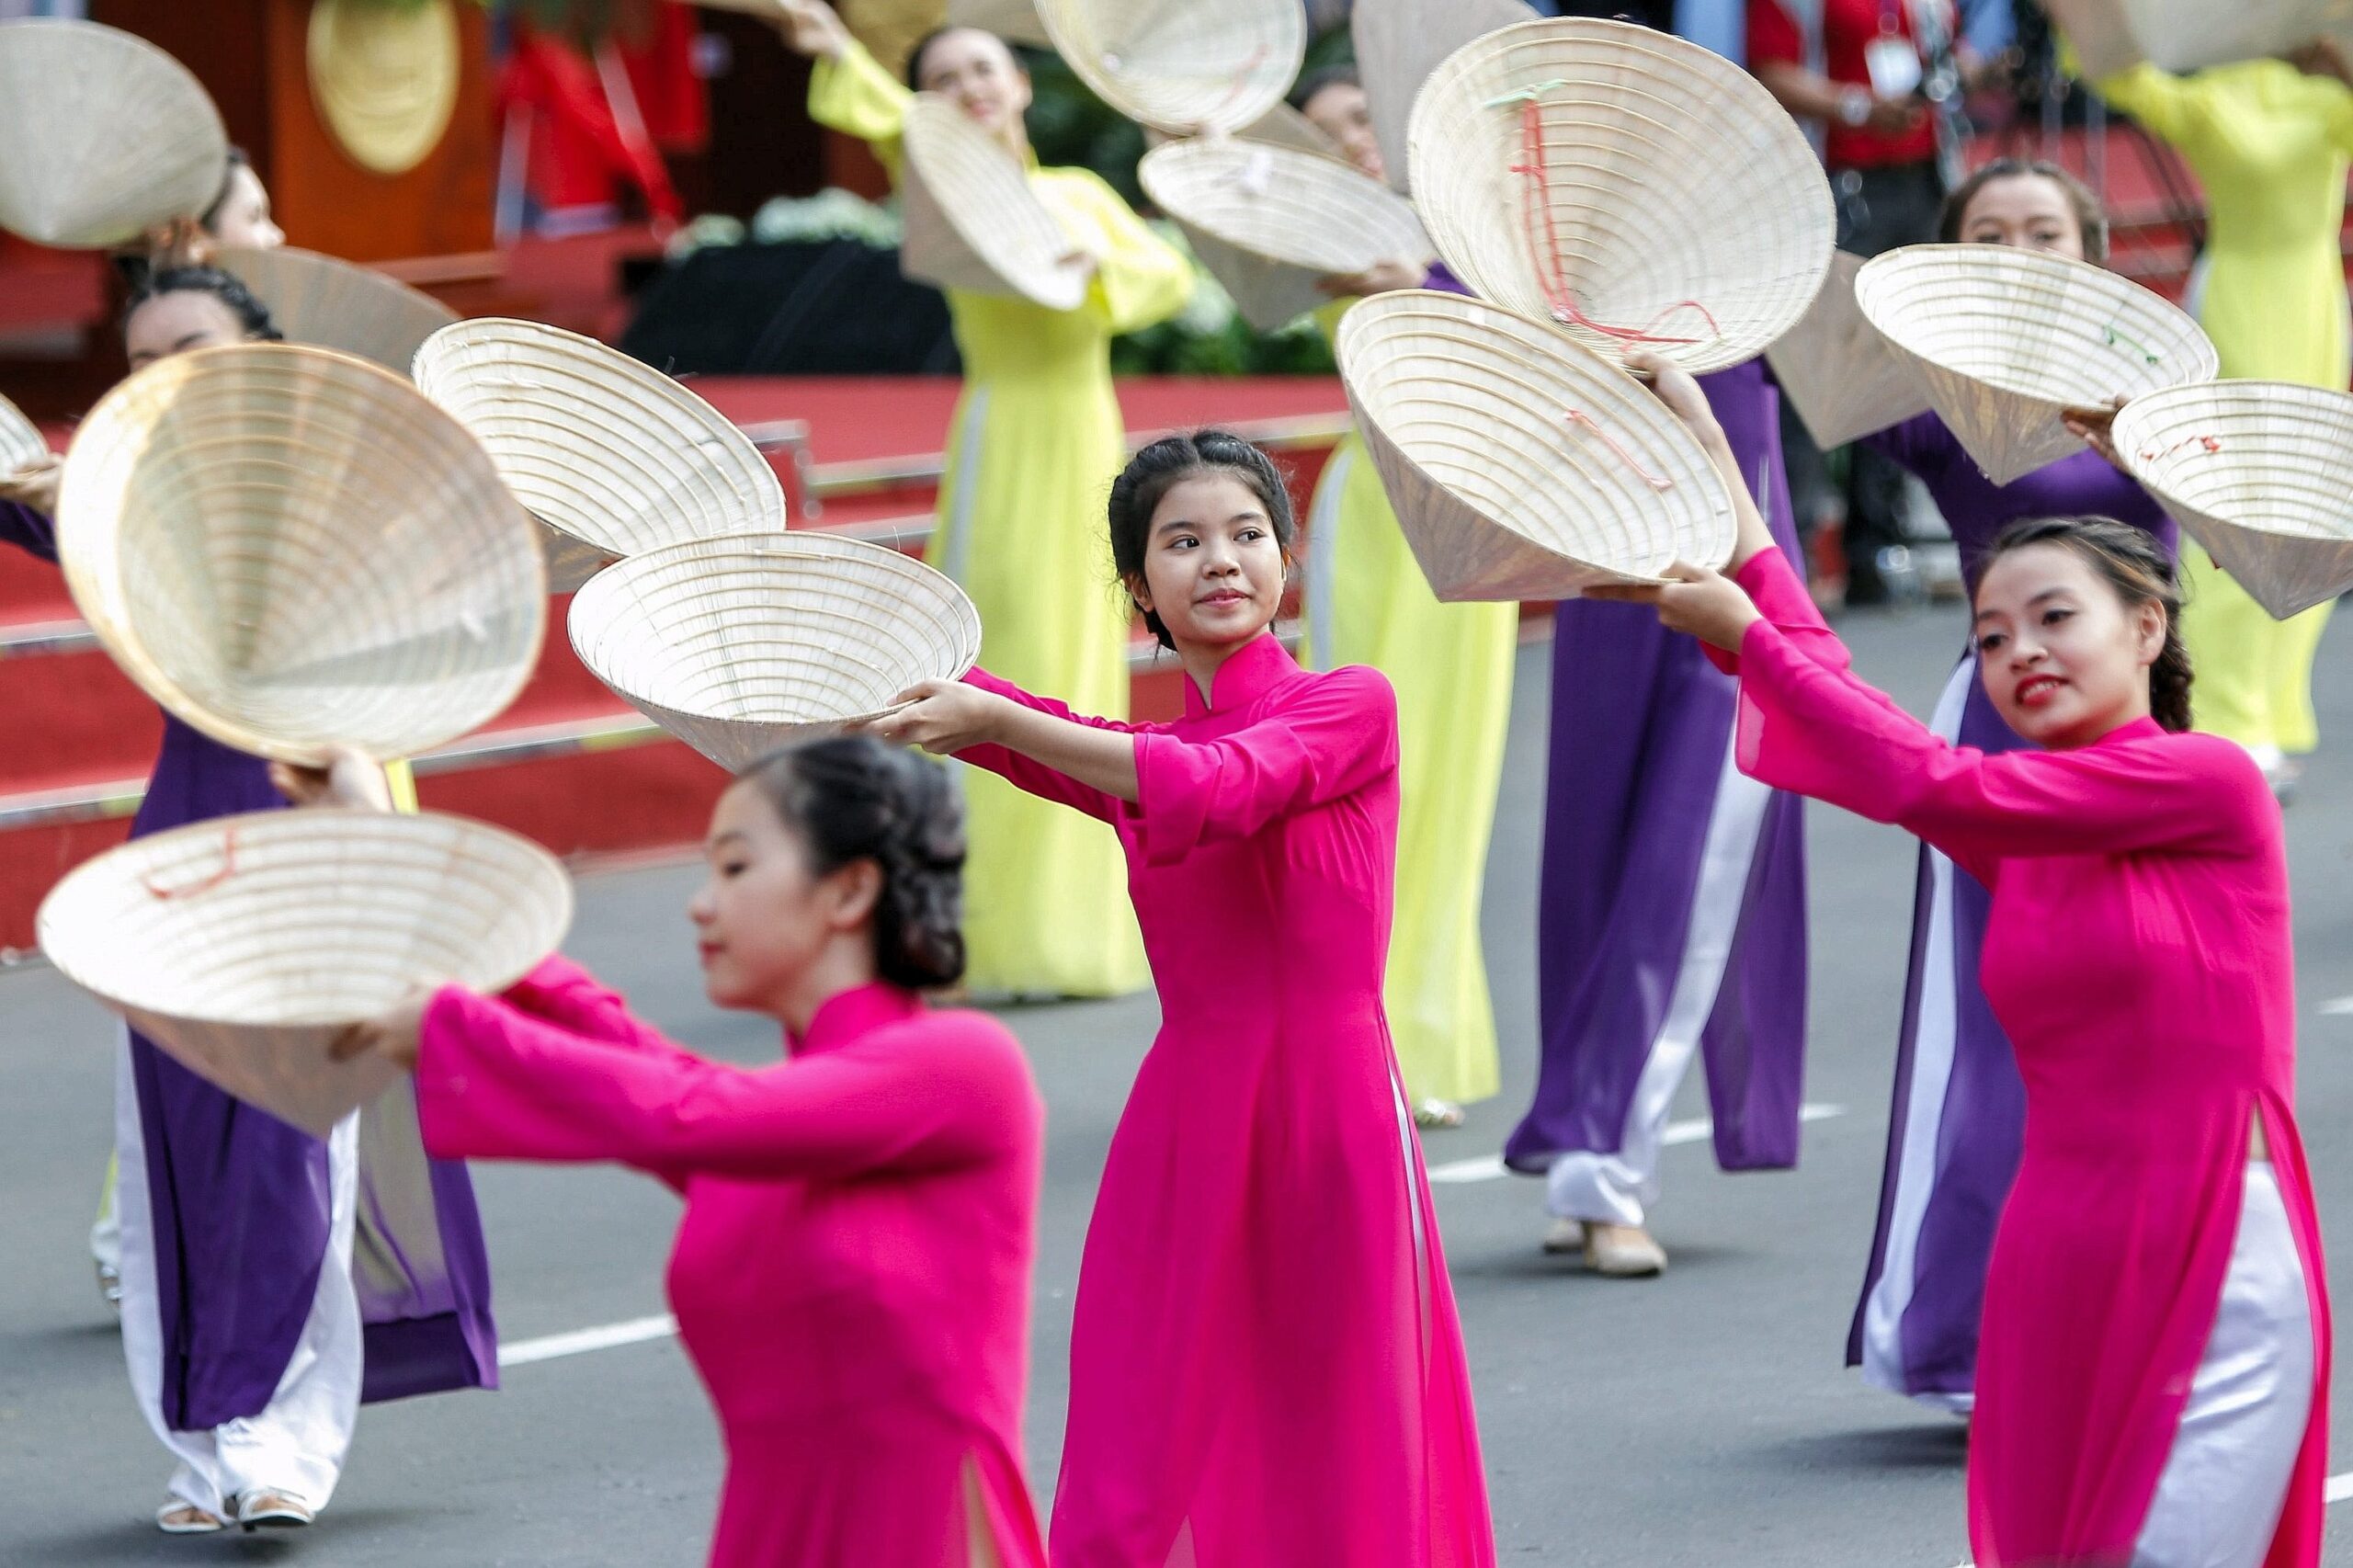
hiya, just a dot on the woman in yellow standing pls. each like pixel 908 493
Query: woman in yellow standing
pixel 2269 139
pixel 1367 603
pixel 1036 441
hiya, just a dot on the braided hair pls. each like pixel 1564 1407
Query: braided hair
pixel 253 316
pixel 2135 565
pixel 1152 472
pixel 853 798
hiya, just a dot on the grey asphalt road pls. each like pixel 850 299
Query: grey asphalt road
pixel 1700 1419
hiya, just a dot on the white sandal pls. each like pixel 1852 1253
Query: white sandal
pixel 273 1510
pixel 177 1518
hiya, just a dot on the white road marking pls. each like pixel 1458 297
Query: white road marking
pixel 637 1330
pixel 2337 1008
pixel 1489 1167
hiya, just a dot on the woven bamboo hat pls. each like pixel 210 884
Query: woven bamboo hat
pixel 1270 220
pixel 292 551
pixel 972 223
pixel 244 944
pixel 1637 189
pixel 21 444
pixel 2260 474
pixel 1845 379
pixel 1186 66
pixel 2005 340
pixel 107 136
pixel 1015 21
pixel 610 455
pixel 1399 42
pixel 2190 35
pixel 332 304
pixel 738 645
pixel 1523 466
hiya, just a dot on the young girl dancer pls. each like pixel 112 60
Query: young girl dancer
pixel 1265 1369
pixel 1036 438
pixel 852 1273
pixel 2152 1381
pixel 228 1216
pixel 1366 602
pixel 1952 1147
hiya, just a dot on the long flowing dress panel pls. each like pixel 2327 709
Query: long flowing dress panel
pixel 238 1200
pixel 851 1277
pixel 2139 956
pixel 1266 1365
pixel 1959 1109
pixel 1033 446
pixel 1641 725
pixel 1366 602
pixel 2269 144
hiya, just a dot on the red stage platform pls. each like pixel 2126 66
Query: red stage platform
pixel 569 765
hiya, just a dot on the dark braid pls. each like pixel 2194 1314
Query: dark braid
pixel 253 316
pixel 853 798
pixel 1152 472
pixel 2136 567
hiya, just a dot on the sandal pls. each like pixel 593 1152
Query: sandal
pixel 1435 1112
pixel 177 1518
pixel 273 1510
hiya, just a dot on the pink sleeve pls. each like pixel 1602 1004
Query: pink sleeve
pixel 1822 732
pixel 1781 596
pixel 492 1081
pixel 561 993
pixel 1036 776
pixel 1333 741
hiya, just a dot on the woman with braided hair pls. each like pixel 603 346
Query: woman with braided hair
pixel 2154 1362
pixel 852 1273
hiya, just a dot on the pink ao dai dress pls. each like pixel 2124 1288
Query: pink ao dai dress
pixel 852 1275
pixel 1266 1368
pixel 2153 1370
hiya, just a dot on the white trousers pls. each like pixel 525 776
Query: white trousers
pixel 298 1442
pixel 1614 1187
pixel 2218 1502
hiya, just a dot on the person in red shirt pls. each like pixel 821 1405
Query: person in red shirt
pixel 1853 72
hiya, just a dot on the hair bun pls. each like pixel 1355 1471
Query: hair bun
pixel 853 798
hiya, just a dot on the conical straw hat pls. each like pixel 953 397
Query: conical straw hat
pixel 2006 340
pixel 738 645
pixel 2190 35
pixel 1399 42
pixel 320 300
pixel 292 551
pixel 1674 206
pixel 244 944
pixel 1276 220
pixel 1844 378
pixel 21 444
pixel 610 455
pixel 1015 21
pixel 1523 466
pixel 107 136
pixel 972 223
pixel 1186 66
pixel 2260 474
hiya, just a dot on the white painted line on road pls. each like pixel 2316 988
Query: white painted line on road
pixel 637 1330
pixel 2337 1008
pixel 1489 1167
